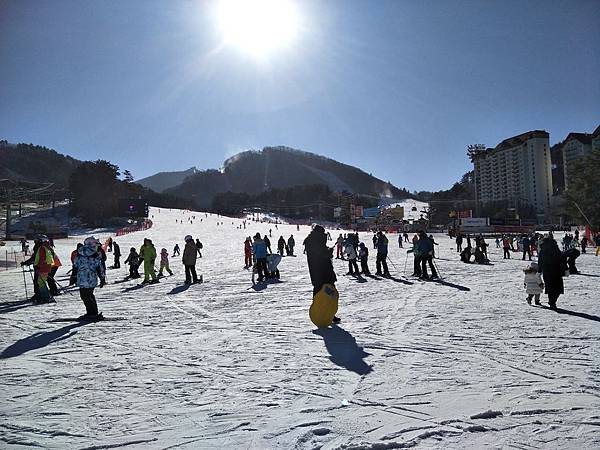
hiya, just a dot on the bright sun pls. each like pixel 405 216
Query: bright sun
pixel 258 27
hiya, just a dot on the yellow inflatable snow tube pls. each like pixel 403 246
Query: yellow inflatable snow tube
pixel 324 306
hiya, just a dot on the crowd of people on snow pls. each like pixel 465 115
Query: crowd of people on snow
pixel 88 260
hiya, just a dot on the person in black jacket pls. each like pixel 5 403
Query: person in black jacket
pixel 117 255
pixel 319 256
pixel 551 266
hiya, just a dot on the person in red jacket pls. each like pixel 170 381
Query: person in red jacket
pixel 247 253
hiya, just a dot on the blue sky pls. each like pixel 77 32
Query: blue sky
pixel 397 88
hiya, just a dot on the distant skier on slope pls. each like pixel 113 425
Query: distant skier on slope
pixel 88 266
pixel 319 256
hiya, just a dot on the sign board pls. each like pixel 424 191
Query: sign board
pixel 370 212
pixel 474 222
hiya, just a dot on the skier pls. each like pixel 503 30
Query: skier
pixel 199 247
pixel 363 255
pixel 551 266
pixel 259 249
pixel 382 251
pixel 148 255
pixel 38 297
pixel 117 255
pixel 533 283
pixel 176 251
pixel 351 253
pixel 190 253
pixel 247 253
pixel 55 265
pixel 280 245
pixel 89 268
pixel 319 256
pixel 425 246
pixel 164 262
pixel 416 257
pixel 133 259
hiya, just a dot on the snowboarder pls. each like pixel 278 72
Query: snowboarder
pixel 148 256
pixel 117 255
pixel 164 262
pixel 382 251
pixel 363 255
pixel 176 251
pixel 133 259
pixel 190 253
pixel 319 256
pixel 533 283
pixel 88 265
pixel 259 249
pixel 552 267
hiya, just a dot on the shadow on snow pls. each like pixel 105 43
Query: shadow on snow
pixel 40 340
pixel 343 350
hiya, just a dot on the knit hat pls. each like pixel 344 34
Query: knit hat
pixel 91 241
pixel 188 238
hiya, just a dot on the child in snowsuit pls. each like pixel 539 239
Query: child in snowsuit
pixel 134 263
pixel 89 267
pixel 164 262
pixel 363 254
pixel 148 255
pixel 533 283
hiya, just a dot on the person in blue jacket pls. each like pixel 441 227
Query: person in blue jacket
pixel 259 249
pixel 425 248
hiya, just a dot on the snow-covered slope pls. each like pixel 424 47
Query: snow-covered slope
pixel 464 363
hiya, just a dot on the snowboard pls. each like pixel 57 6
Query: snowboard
pixel 324 306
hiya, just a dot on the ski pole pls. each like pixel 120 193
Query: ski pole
pixel 437 269
pixel 405 262
pixel 392 263
pixel 25 283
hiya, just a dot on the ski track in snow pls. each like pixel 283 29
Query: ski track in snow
pixel 461 364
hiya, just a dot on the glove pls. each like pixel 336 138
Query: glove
pixel 102 283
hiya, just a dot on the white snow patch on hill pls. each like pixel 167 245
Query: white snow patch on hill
pixel 464 363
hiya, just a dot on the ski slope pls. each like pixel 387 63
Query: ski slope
pixel 464 363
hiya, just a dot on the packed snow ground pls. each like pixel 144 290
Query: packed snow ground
pixel 465 363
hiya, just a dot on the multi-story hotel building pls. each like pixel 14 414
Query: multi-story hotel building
pixel 575 146
pixel 517 170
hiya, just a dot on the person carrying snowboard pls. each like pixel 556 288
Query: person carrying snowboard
pixel 533 283
pixel 190 253
pixel 164 262
pixel 89 267
pixel 133 259
pixel 318 256
pixel 148 256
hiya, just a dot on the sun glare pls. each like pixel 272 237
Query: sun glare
pixel 258 27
